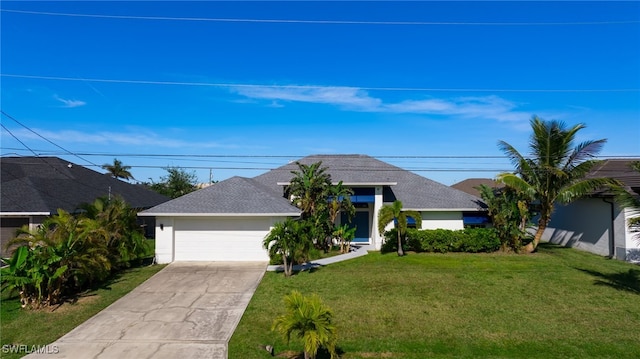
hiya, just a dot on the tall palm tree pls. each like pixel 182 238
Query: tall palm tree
pixel 311 321
pixel 118 170
pixel 340 201
pixel 395 213
pixel 555 170
pixel 308 188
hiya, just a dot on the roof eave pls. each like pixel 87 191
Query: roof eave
pixel 156 214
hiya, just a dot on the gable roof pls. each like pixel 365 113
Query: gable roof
pixel 414 191
pixel 233 196
pixel 41 185
pixel 469 185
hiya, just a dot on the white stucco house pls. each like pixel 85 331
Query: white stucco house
pixel 229 220
pixel 596 223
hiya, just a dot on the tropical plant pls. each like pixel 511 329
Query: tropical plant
pixel 288 240
pixel 555 170
pixel 344 235
pixel 509 213
pixel 118 170
pixel 176 183
pixel 630 200
pixel 311 321
pixel 309 188
pixel 395 213
pixel 117 223
pixel 56 260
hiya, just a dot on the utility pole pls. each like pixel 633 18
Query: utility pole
pixel 210 175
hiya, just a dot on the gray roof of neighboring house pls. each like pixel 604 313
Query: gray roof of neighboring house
pixel 414 191
pixel 45 184
pixel 236 195
pixel 618 169
pixel 470 185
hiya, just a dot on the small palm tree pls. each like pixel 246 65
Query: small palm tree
pixel 284 240
pixel 118 170
pixel 554 171
pixel 395 213
pixel 311 320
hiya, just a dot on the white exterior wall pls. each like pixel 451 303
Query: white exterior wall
pixel 442 220
pixel 164 240
pixel 212 238
pixel 584 224
pixel 376 237
pixel 632 239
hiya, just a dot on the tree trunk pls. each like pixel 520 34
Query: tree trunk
pixel 306 355
pixel 400 251
pixel 287 270
pixel 533 245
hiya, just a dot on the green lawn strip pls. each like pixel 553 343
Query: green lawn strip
pixel 555 303
pixel 41 327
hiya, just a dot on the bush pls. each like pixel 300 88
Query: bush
pixel 472 240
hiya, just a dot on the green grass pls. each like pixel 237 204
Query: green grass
pixel 557 303
pixel 41 327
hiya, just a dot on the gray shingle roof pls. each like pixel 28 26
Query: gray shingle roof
pixel 236 195
pixel 44 184
pixel 415 192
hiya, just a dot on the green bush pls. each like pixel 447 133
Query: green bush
pixel 472 240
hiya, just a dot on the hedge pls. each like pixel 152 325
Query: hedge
pixel 470 240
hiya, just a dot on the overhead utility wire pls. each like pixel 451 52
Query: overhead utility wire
pixel 44 138
pixel 307 87
pixel 324 22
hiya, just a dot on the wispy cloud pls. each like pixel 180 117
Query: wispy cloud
pixel 355 99
pixel 69 103
pixel 143 139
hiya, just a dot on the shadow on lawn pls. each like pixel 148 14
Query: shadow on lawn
pixel 628 281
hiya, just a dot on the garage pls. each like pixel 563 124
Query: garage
pixel 226 221
pixel 220 239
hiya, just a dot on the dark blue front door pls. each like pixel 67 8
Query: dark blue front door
pixel 361 222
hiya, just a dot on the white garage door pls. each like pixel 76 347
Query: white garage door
pixel 221 239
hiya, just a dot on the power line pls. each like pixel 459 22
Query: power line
pixel 324 22
pixel 310 87
pixel 44 138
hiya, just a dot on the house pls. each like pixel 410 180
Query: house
pixel 33 188
pixel 596 223
pixel 470 186
pixel 229 220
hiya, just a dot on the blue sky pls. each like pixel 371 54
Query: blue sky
pixel 235 88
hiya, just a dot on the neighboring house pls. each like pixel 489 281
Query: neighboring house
pixel 597 224
pixel 470 186
pixel 33 188
pixel 229 220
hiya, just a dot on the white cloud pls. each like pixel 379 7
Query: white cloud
pixel 355 99
pixel 69 103
pixel 345 97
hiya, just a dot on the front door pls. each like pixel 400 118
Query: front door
pixel 361 222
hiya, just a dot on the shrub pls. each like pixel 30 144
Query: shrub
pixel 310 320
pixel 470 240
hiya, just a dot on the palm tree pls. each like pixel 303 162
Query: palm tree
pixel 395 213
pixel 555 170
pixel 626 198
pixel 308 188
pixel 285 240
pixel 117 170
pixel 310 319
pixel 339 201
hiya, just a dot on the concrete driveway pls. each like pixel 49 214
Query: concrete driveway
pixel 187 310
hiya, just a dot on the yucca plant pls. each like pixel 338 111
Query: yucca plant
pixel 311 321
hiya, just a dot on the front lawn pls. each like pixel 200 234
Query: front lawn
pixel 41 327
pixel 557 303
